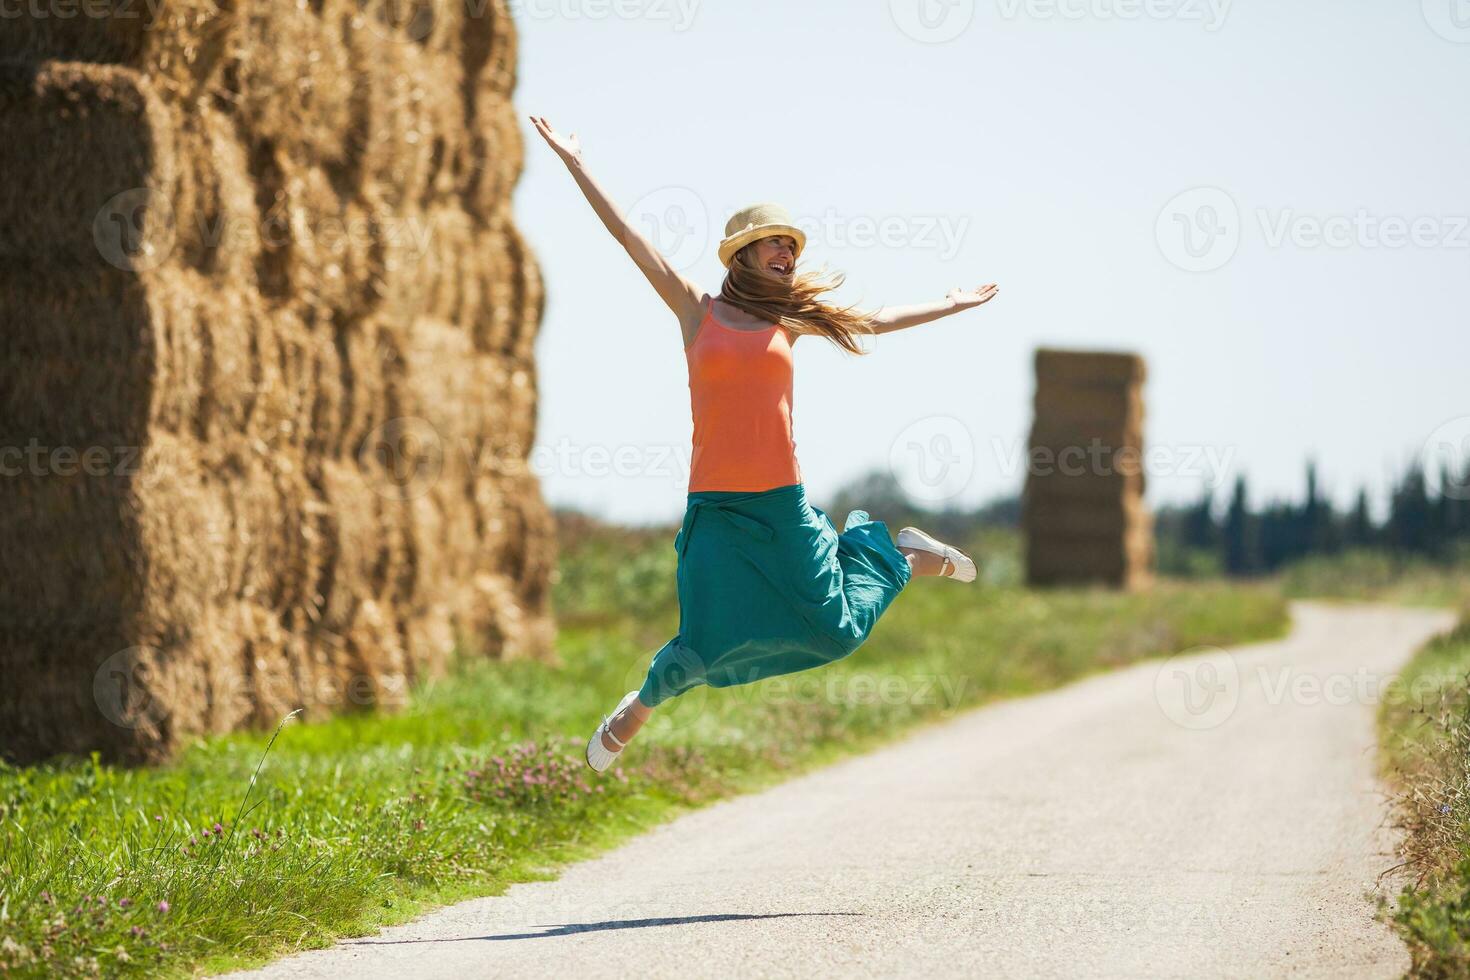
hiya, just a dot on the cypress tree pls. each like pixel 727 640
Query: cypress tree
pixel 1241 544
pixel 1360 524
pixel 1450 508
pixel 1409 523
pixel 1319 520
pixel 1199 529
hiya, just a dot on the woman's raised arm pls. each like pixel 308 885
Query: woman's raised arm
pixel 678 293
pixel 890 318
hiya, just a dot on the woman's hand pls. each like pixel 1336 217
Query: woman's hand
pixel 566 147
pixel 963 299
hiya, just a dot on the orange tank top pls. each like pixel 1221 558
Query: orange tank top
pixel 740 391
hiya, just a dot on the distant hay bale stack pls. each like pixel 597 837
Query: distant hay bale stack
pixel 1082 512
pixel 267 381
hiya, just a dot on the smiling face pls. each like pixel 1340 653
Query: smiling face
pixel 775 255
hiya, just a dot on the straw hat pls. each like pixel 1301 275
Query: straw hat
pixel 755 222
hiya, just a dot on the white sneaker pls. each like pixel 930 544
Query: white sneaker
pixel 598 756
pixel 963 566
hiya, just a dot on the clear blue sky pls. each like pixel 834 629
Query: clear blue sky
pixel 1044 146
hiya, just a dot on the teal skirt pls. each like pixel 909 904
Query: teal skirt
pixel 767 586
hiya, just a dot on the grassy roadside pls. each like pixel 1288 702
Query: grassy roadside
pixel 1424 726
pixel 1424 742
pixel 364 820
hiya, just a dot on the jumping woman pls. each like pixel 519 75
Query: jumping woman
pixel 766 584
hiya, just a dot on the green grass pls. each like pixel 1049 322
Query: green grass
pixel 1425 737
pixel 1381 577
pixel 363 820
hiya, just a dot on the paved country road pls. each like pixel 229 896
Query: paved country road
pixel 1214 815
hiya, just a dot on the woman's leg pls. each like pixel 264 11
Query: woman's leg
pixel 922 550
pixel 626 723
pixel 923 562
pixel 674 670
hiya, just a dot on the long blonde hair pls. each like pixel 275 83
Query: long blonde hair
pixel 794 305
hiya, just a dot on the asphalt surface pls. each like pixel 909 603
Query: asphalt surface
pixel 1210 815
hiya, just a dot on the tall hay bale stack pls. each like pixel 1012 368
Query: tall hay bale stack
pixel 257 265
pixel 1082 512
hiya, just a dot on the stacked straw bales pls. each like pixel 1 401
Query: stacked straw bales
pixel 1083 512
pixel 267 388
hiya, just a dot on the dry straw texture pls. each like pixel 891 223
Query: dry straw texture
pixel 1083 512
pixel 268 385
